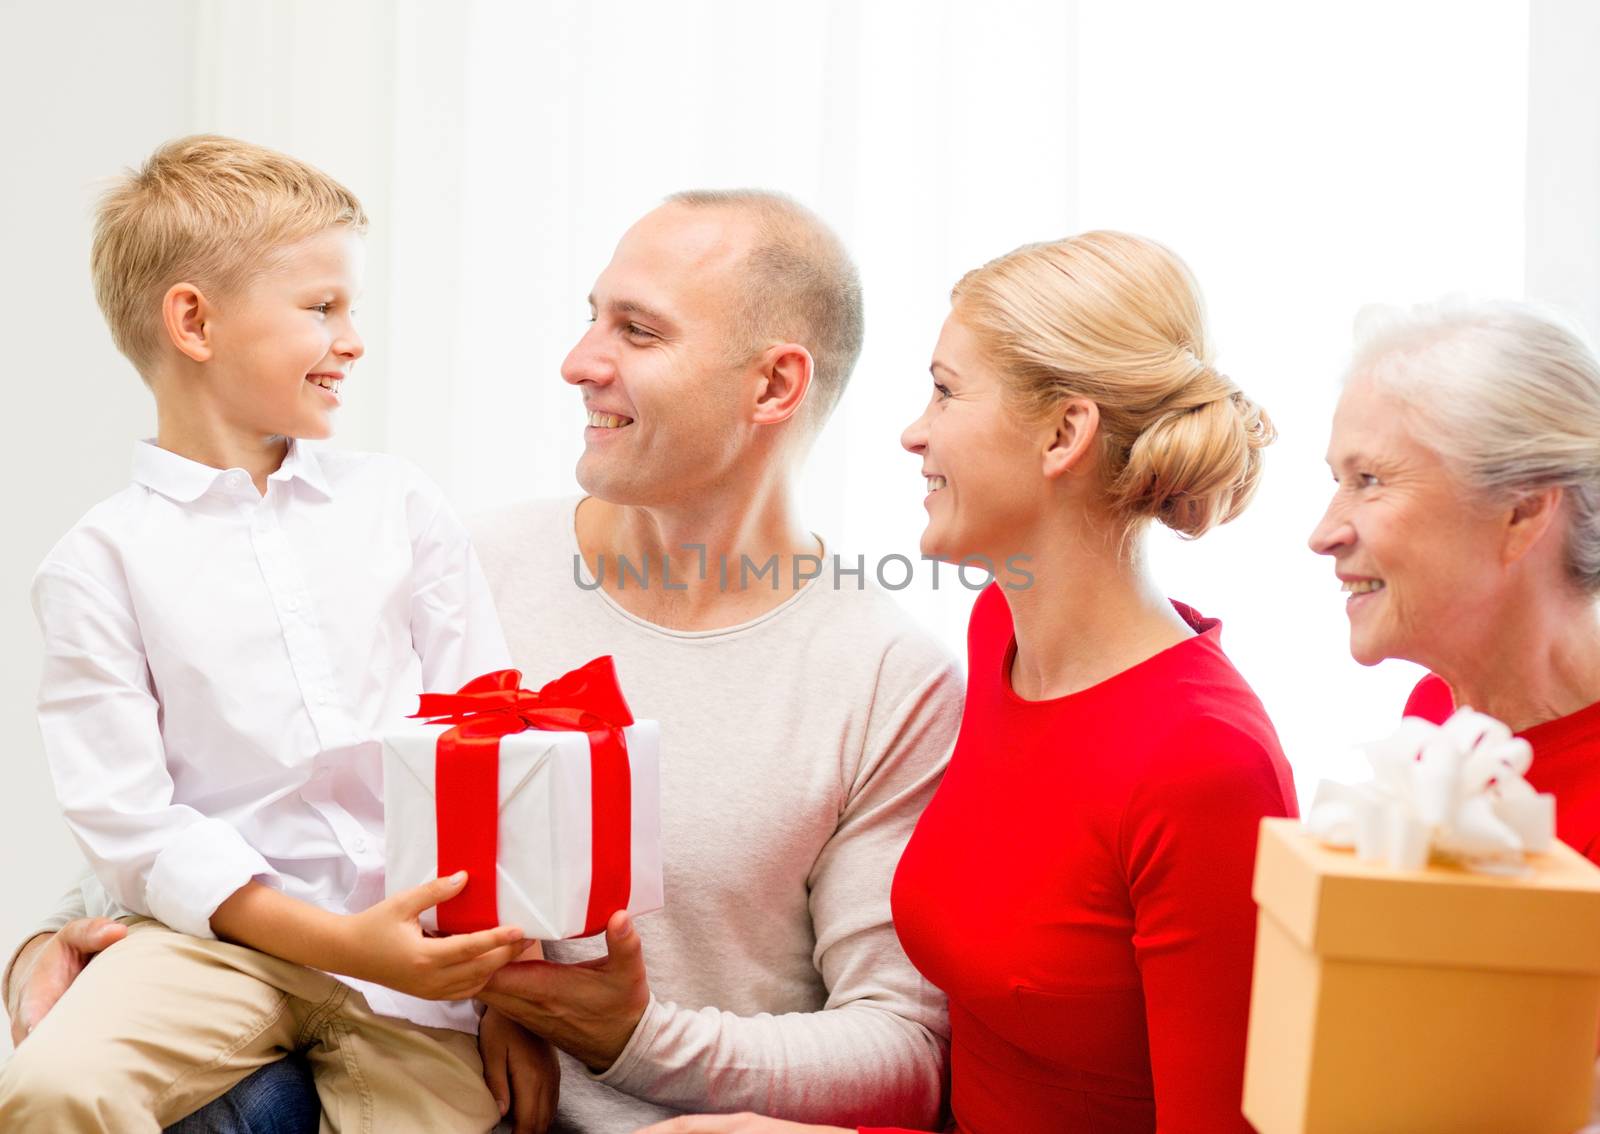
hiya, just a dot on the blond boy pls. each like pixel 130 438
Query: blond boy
pixel 223 641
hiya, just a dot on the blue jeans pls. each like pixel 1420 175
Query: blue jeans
pixel 278 1099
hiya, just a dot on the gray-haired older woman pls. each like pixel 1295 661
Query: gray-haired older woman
pixel 1466 527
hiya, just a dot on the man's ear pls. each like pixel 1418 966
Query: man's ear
pixel 785 372
pixel 1067 447
pixel 185 315
pixel 1530 519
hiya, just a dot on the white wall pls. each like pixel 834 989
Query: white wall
pixel 86 88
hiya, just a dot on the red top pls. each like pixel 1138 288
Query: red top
pixel 1566 761
pixel 1080 888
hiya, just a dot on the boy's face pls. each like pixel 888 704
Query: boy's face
pixel 283 344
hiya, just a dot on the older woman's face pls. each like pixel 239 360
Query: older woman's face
pixel 1415 548
pixel 985 481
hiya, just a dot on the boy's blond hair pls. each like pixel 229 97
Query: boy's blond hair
pixel 206 210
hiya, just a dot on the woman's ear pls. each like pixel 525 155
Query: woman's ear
pixel 1530 519
pixel 1077 424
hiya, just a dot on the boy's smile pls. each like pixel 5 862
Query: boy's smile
pixel 329 382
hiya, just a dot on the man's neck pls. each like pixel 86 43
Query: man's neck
pixel 702 564
pixel 1541 662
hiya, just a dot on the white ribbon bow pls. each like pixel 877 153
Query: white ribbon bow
pixel 1453 790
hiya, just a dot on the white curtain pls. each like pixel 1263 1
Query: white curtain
pixel 1304 158
pixel 1305 161
pixel 932 136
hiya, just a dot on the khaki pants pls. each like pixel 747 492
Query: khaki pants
pixel 161 1023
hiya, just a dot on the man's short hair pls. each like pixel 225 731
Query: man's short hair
pixel 207 210
pixel 799 285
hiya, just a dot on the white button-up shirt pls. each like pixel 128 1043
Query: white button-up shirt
pixel 219 665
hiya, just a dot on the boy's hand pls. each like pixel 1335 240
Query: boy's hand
pixel 42 979
pixel 386 945
pixel 521 1071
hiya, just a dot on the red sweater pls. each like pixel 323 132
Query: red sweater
pixel 1566 761
pixel 1080 888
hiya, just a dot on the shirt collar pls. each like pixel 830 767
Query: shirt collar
pixel 185 481
pixel 301 463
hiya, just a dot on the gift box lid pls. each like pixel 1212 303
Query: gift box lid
pixel 1339 907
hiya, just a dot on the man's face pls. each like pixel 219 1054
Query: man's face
pixel 667 397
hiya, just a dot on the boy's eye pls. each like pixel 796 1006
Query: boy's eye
pixel 321 308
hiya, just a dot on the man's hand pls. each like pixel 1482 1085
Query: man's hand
pixel 588 1009
pixel 385 944
pixel 736 1124
pixel 521 1071
pixel 47 966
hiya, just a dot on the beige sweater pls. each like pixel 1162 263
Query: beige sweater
pixel 797 751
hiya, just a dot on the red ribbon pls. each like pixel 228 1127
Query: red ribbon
pixel 467 782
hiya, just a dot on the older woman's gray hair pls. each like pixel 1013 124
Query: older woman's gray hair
pixel 1507 393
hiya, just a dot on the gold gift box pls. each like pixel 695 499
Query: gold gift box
pixel 1413 1001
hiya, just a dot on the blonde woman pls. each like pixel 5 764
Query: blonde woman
pixel 1080 884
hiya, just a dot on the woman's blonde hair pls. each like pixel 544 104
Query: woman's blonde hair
pixel 1118 319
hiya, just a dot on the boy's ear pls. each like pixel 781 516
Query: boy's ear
pixel 184 315
pixel 786 371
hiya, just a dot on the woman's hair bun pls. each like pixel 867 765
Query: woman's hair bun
pixel 1118 319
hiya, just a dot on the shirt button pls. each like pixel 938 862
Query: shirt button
pixel 236 480
pixel 359 845
pixel 291 605
pixel 322 696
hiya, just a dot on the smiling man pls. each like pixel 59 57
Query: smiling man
pixel 804 723
pixel 805 720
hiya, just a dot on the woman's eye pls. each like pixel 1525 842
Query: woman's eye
pixel 941 390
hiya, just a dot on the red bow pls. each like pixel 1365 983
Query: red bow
pixel 467 782
pixel 495 705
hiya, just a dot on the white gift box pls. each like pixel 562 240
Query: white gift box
pixel 545 850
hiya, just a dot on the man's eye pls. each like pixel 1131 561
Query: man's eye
pixel 1367 480
pixel 942 390
pixel 639 332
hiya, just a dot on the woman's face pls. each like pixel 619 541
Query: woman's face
pixel 1418 551
pixel 986 487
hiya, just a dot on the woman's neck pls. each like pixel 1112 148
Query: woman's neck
pixel 1542 662
pixel 1090 613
